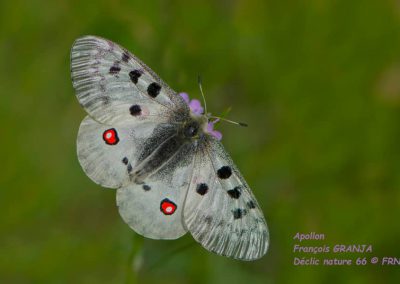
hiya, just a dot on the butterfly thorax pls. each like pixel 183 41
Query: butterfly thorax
pixel 194 127
pixel 184 136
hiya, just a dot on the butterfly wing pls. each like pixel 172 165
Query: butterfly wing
pixel 108 154
pixel 115 87
pixel 132 113
pixel 153 208
pixel 220 210
pixel 125 100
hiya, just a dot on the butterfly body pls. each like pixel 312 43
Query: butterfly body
pixel 185 131
pixel 160 152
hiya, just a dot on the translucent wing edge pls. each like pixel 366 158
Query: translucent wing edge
pixel 245 245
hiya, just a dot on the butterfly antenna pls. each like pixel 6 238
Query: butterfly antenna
pixel 230 121
pixel 202 94
pixel 216 117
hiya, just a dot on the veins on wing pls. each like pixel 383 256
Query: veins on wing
pixel 160 156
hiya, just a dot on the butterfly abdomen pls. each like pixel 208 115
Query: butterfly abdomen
pixel 160 156
pixel 184 135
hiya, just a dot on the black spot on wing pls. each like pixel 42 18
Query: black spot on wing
pixel 125 160
pixel 146 187
pixel 135 110
pixel 202 188
pixel 237 213
pixel 234 193
pixel 129 168
pixel 115 69
pixel 105 100
pixel 134 75
pixel 208 220
pixel 224 172
pixel 125 56
pixel 251 204
pixel 153 89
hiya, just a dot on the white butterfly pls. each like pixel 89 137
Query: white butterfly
pixel 171 173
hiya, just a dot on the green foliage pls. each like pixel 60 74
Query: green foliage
pixel 317 81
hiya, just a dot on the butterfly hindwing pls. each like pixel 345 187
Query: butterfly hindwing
pixel 108 154
pixel 153 207
pixel 115 87
pixel 220 211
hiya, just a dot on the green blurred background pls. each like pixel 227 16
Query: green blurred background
pixel 317 81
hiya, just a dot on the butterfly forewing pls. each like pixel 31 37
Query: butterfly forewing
pixel 115 87
pixel 220 211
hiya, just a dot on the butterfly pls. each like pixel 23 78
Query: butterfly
pixel 160 152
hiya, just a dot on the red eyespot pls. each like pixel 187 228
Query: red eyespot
pixel 110 136
pixel 167 207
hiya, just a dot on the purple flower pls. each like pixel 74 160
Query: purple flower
pixel 215 133
pixel 194 105
pixel 185 97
